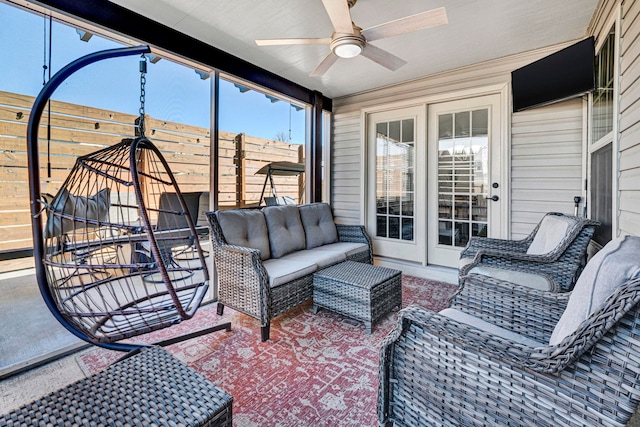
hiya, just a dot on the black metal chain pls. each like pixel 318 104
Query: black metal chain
pixel 143 81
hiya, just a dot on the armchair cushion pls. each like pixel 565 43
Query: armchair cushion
pixel 476 322
pixel 614 265
pixel 318 224
pixel 245 227
pixel 518 277
pixel 550 234
pixel 286 234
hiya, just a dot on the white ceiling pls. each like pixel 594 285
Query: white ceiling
pixel 478 30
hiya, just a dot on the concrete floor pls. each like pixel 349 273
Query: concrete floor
pixel 23 388
pixel 29 334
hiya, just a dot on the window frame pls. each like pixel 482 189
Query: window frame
pixel 613 23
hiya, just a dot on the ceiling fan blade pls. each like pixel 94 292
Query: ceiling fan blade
pixel 324 65
pixel 419 21
pixel 280 42
pixel 382 57
pixel 338 11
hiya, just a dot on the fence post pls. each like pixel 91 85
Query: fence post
pixel 239 161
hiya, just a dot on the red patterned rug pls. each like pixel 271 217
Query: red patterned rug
pixel 317 369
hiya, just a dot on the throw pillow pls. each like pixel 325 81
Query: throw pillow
pixel 615 264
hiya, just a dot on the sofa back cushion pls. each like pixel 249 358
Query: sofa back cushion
pixel 612 266
pixel 286 234
pixel 317 221
pixel 552 230
pixel 245 227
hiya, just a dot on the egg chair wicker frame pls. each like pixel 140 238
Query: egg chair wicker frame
pixel 104 278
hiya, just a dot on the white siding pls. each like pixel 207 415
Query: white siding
pixel 546 163
pixel 629 184
pixel 556 127
pixel 346 168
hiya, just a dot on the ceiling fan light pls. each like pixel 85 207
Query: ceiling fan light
pixel 347 46
pixel 347 50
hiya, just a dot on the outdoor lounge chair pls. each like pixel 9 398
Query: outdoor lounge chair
pixel 550 258
pixel 504 354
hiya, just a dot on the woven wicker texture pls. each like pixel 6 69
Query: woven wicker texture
pixel 151 388
pixel 360 291
pixel 435 371
pixel 561 267
pixel 243 282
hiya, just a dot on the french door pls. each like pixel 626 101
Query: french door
pixel 397 183
pixel 466 184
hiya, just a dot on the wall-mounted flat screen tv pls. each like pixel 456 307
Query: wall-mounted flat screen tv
pixel 566 73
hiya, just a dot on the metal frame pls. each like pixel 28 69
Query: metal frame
pixel 35 192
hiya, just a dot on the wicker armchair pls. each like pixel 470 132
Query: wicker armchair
pixel 556 269
pixel 437 370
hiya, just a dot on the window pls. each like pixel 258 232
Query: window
pixel 395 181
pixel 601 195
pixel 95 107
pixel 259 132
pixel 603 130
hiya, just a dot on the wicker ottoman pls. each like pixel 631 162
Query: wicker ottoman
pixel 360 291
pixel 151 388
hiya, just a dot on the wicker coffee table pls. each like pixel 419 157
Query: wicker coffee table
pixel 357 290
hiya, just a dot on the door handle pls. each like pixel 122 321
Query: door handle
pixel 494 198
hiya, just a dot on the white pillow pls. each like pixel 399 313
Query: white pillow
pixel 550 233
pixel 615 264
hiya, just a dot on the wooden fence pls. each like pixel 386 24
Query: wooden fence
pixel 77 130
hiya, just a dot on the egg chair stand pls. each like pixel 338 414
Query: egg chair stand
pixel 99 246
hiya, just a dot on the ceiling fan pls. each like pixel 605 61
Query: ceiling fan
pixel 348 40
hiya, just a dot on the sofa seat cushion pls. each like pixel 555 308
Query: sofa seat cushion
pixel 317 221
pixel 522 278
pixel 462 317
pixel 553 229
pixel 286 234
pixel 347 248
pixel 247 228
pixel 282 271
pixel 321 258
pixel 607 270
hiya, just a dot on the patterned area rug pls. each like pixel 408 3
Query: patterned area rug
pixel 317 369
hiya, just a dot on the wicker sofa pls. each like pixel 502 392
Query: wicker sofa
pixel 265 259
pixel 504 354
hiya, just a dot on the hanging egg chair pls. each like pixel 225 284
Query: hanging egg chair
pixel 105 245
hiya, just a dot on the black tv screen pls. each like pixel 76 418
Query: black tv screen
pixel 566 73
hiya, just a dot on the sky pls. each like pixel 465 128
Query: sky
pixel 173 92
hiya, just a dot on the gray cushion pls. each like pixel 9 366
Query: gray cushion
pixel 95 207
pixel 321 258
pixel 245 227
pixel 614 265
pixel 285 229
pixel 476 322
pixel 348 248
pixel 318 224
pixel 522 278
pixel 552 230
pixel 282 271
